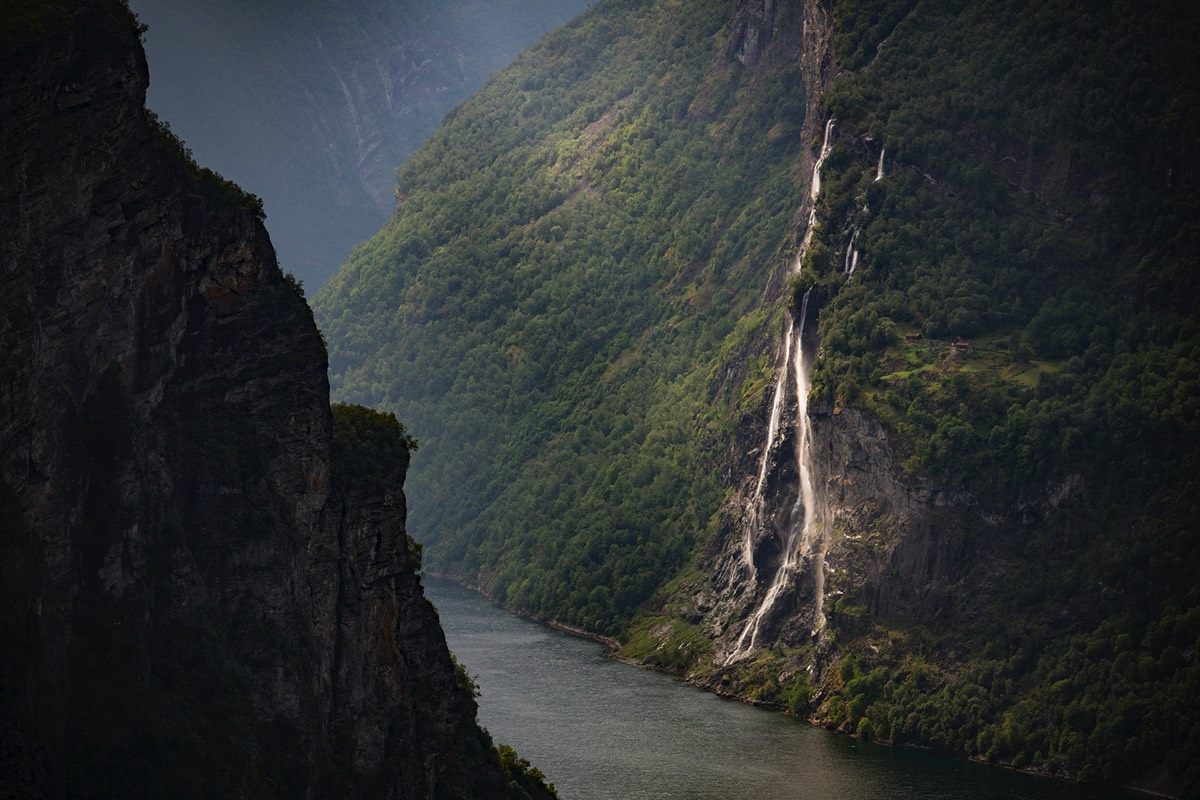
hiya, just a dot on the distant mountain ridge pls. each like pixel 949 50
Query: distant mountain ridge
pixel 312 106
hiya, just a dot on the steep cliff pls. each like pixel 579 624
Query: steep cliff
pixel 857 385
pixel 970 546
pixel 192 605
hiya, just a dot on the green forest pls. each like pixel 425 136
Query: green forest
pixel 575 253
pixel 573 310
pixel 1039 201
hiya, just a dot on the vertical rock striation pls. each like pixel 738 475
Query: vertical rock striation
pixel 750 31
pixel 189 606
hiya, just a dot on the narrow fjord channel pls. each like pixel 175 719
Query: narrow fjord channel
pixel 602 730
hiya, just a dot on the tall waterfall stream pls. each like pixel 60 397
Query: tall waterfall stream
pixel 805 540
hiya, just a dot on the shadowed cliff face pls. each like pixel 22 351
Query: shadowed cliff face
pixel 188 606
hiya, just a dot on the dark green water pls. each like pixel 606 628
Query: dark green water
pixel 601 729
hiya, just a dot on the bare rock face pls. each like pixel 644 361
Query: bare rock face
pixel 751 30
pixel 897 543
pixel 768 29
pixel 188 606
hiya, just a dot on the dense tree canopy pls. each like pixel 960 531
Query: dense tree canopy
pixel 370 451
pixel 572 254
pixel 1039 201
pixel 568 310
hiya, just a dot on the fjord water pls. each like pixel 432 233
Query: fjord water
pixel 602 730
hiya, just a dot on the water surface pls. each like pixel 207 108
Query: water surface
pixel 602 730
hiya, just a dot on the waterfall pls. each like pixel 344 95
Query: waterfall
pixel 810 533
pixel 801 535
pixel 879 169
pixel 803 531
pixel 780 387
pixel 756 502
pixel 826 146
pixel 851 260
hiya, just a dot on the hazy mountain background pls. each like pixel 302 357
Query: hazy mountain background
pixel 312 105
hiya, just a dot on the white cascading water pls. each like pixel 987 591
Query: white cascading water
pixel 780 388
pixel 851 262
pixel 810 533
pixel 800 537
pixel 816 189
pixel 803 533
pixel 879 169
pixel 756 502
pixel 816 176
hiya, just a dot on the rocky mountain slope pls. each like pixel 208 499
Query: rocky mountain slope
pixel 837 355
pixel 194 603
pixel 968 543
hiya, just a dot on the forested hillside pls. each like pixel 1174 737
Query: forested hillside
pixel 575 252
pixel 313 105
pixel 1039 199
pixel 577 307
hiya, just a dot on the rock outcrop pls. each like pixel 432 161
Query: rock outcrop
pixel 897 544
pixel 190 606
pixel 751 30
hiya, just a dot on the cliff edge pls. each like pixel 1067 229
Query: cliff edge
pixel 191 604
